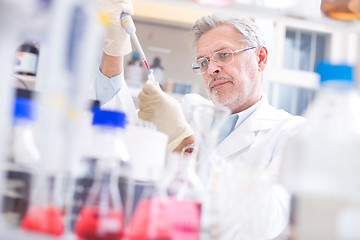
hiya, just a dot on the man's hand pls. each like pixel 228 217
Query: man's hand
pixel 165 112
pixel 117 41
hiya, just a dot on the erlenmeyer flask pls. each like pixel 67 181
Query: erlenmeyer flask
pixel 207 121
pixel 150 220
pixel 185 192
pixel 102 216
pixel 45 214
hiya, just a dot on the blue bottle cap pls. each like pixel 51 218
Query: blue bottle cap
pixel 109 118
pixel 338 72
pixel 24 108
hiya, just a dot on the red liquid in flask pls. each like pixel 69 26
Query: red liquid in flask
pixel 44 219
pixel 95 223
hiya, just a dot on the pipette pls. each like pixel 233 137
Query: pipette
pixel 129 26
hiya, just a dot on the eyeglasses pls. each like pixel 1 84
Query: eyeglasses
pixel 221 58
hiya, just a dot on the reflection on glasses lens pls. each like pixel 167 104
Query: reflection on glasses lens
pixel 221 58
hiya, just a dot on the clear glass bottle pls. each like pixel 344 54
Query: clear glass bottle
pixel 27 56
pixel 321 163
pixel 23 155
pixel 102 216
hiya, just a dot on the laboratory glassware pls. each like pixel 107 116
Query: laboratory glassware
pixel 206 120
pixel 22 158
pixel 45 214
pixel 321 162
pixel 185 196
pixel 150 219
pixel 102 216
pixel 172 208
pixel 26 60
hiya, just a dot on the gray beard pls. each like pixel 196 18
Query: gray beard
pixel 225 102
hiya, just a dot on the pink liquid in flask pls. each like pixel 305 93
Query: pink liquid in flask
pixel 150 221
pixel 172 219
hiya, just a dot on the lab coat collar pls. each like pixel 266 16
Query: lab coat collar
pixel 264 118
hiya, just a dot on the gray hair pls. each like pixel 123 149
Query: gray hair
pixel 248 30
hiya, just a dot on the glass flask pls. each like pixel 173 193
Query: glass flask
pixel 102 215
pixel 45 214
pixel 172 208
pixel 150 220
pixel 185 195
pixel 207 120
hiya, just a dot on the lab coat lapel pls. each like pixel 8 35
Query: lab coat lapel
pixel 240 140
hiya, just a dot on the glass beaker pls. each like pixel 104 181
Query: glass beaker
pixel 207 120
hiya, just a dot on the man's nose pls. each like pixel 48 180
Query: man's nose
pixel 213 67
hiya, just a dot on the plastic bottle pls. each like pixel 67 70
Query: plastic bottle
pixel 102 216
pixel 27 56
pixel 134 74
pixel 158 72
pixel 321 163
pixel 23 155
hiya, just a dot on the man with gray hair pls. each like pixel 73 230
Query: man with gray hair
pixel 231 57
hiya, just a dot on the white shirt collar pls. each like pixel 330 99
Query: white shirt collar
pixel 243 115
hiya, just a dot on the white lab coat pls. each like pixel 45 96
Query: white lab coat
pixel 258 144
pixel 259 139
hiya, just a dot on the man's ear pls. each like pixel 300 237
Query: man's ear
pixel 262 58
